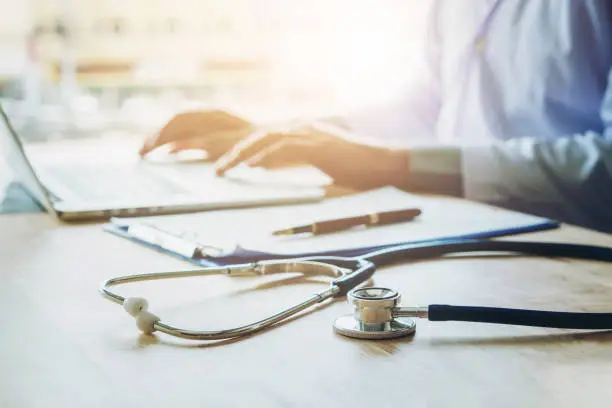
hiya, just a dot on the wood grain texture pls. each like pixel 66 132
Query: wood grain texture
pixel 62 345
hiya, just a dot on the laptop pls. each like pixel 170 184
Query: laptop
pixel 75 184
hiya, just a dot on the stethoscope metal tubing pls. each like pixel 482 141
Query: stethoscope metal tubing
pixel 360 271
pixel 249 328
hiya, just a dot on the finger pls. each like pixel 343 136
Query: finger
pixel 282 154
pixel 246 149
pixel 212 153
pixel 177 128
pixel 153 142
pixel 215 144
pixel 186 125
pixel 188 144
pixel 148 145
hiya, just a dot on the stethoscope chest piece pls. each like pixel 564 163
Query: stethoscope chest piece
pixel 374 316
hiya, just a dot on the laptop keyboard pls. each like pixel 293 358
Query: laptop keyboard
pixel 108 183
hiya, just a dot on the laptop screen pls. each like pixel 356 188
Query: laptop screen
pixel 18 161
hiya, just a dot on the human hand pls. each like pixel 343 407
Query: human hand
pixel 349 162
pixel 213 131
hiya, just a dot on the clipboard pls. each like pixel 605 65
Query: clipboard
pixel 159 233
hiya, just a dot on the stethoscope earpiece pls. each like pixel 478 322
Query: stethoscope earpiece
pixel 375 315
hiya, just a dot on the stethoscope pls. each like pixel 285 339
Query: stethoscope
pixel 376 311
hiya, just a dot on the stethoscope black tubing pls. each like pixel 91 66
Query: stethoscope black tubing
pixel 521 317
pixel 431 250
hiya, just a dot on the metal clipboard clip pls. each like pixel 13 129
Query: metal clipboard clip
pixel 176 243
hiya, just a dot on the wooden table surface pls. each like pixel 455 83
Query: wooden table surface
pixel 63 345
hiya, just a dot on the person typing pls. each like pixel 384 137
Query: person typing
pixel 517 104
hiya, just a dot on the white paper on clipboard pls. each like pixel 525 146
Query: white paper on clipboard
pixel 252 228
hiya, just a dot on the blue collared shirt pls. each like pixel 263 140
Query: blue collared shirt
pixel 520 95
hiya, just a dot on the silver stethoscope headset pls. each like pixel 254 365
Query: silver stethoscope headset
pixel 376 311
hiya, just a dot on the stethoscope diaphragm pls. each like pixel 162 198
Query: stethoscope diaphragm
pixel 374 316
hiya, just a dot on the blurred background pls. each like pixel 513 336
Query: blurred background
pixel 75 68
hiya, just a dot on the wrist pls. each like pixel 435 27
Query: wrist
pixel 435 169
pixel 398 167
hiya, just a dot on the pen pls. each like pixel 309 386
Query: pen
pixel 381 218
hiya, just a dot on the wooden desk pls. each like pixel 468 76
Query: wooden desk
pixel 62 345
